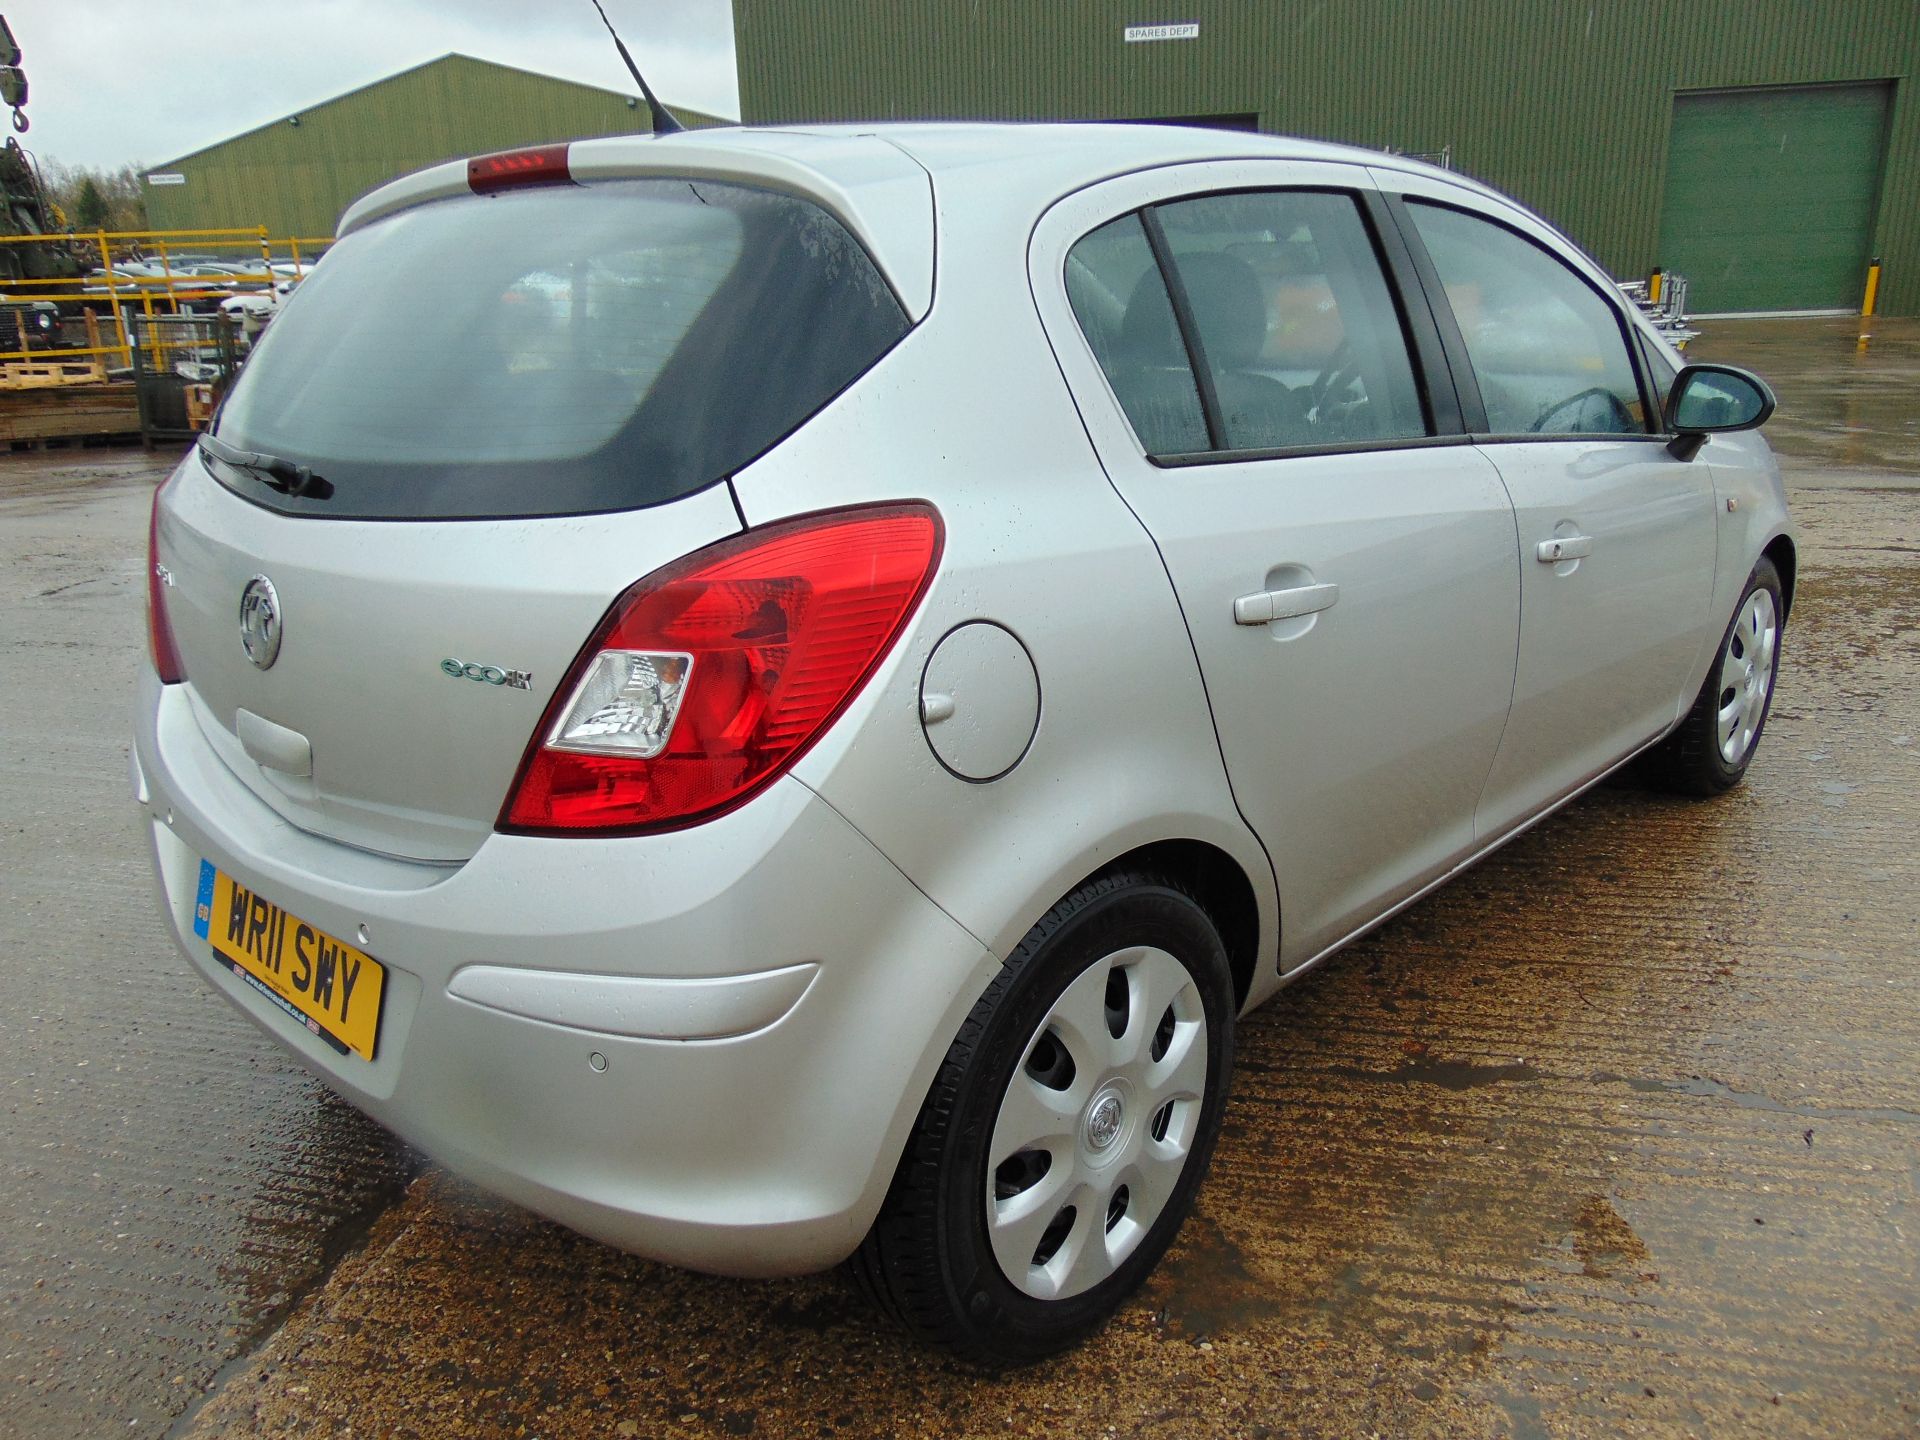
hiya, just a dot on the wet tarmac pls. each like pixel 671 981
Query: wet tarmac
pixel 169 1184
pixel 1849 390
pixel 1617 1135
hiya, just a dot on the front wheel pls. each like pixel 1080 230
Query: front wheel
pixel 1067 1132
pixel 1712 747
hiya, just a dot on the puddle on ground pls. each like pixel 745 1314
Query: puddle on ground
pixel 1604 1243
pixel 1205 1287
pixel 1700 1085
pixel 1845 385
pixel 1447 1074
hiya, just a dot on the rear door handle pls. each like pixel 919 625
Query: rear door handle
pixel 1265 606
pixel 1567 547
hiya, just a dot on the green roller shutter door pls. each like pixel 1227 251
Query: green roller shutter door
pixel 1770 196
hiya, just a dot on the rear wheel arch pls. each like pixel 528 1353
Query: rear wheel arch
pixel 1217 881
pixel 983 1280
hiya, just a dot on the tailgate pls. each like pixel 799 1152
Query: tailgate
pixel 369 727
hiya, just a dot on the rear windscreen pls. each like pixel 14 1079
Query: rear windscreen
pixel 557 351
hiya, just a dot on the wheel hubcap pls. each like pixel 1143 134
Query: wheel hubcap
pixel 1097 1123
pixel 1746 676
pixel 1105 1115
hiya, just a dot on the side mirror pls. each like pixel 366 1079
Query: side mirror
pixel 1706 399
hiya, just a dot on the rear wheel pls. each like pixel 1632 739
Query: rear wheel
pixel 1713 746
pixel 1066 1134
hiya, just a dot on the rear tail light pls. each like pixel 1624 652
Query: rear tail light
pixel 506 169
pixel 711 676
pixel 166 655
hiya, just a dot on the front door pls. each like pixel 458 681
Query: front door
pixel 1615 533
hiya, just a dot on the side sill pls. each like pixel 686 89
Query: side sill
pixel 1514 832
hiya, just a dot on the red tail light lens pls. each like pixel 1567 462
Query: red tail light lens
pixel 714 674
pixel 166 656
pixel 505 169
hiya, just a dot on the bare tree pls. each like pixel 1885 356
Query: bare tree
pixel 96 199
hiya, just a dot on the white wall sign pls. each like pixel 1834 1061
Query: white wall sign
pixel 1181 30
pixel 167 177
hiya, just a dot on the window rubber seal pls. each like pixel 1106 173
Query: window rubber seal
pixel 1189 330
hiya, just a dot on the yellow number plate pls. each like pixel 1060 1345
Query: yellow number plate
pixel 325 984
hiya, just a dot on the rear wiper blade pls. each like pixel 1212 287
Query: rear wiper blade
pixel 282 475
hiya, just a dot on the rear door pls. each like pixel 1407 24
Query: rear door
pixel 1616 535
pixel 1263 399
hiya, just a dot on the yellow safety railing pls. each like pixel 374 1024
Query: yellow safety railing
pixel 108 295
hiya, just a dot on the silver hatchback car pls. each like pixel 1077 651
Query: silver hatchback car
pixel 771 694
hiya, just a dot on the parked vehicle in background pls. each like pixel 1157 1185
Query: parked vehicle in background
pixel 27 323
pixel 771 752
pixel 250 310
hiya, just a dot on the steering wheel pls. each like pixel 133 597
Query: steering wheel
pixel 1340 371
pixel 1620 421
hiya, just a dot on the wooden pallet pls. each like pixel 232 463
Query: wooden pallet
pixel 69 411
pixel 35 375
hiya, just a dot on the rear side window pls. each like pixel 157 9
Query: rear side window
pixel 1548 353
pixel 1281 301
pixel 1291 307
pixel 1120 300
pixel 559 350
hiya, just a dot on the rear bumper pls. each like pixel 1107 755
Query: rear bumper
pixel 706 1047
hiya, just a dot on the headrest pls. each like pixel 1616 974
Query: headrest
pixel 1228 306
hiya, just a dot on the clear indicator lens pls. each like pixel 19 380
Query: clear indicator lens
pixel 625 704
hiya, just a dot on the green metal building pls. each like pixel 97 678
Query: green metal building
pixel 298 173
pixel 1767 149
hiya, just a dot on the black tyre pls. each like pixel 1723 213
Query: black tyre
pixel 1714 744
pixel 1067 1132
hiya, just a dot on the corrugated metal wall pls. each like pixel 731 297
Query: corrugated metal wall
pixel 296 179
pixel 1566 104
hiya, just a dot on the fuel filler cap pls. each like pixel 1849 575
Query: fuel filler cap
pixel 980 701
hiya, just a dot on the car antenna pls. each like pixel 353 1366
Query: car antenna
pixel 663 121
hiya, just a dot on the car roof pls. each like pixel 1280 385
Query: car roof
pixel 881 179
pixel 1040 161
pixel 1088 147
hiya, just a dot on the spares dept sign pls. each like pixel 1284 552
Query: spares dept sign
pixel 1172 30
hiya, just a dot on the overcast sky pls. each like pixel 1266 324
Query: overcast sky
pixel 138 82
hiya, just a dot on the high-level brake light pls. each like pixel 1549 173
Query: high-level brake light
pixel 711 676
pixel 506 169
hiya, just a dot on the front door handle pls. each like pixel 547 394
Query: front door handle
pixel 1566 547
pixel 1266 606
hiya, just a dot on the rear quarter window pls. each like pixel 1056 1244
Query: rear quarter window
pixel 560 350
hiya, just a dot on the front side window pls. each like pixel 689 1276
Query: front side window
pixel 1547 351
